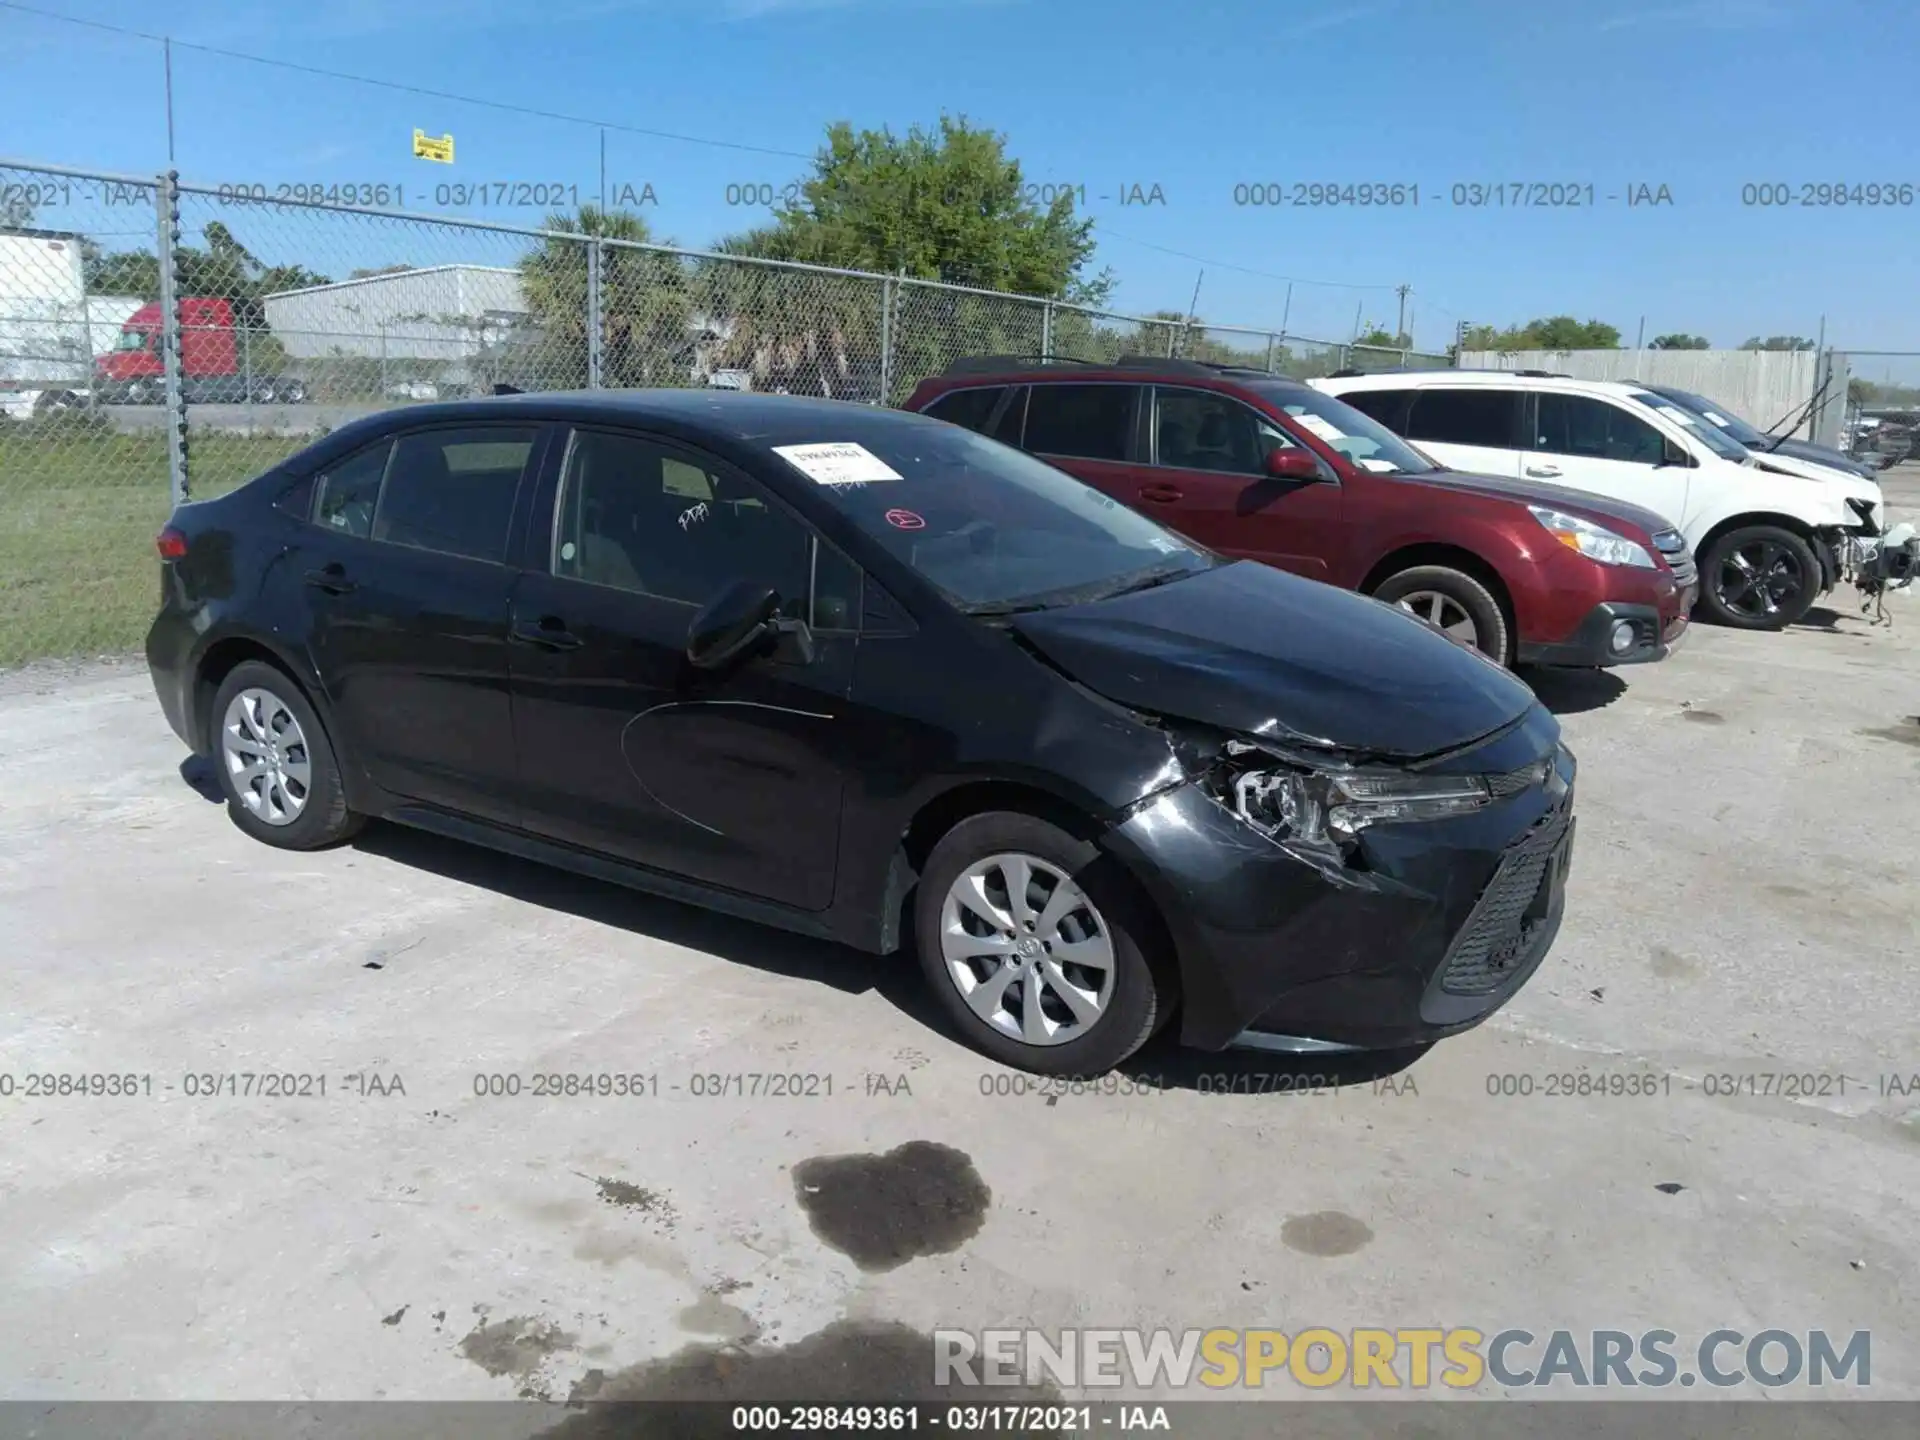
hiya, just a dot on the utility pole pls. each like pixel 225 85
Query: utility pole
pixel 1400 329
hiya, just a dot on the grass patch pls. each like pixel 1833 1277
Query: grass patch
pixel 79 507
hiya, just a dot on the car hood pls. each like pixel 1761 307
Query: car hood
pixel 1255 650
pixel 1820 455
pixel 1584 503
pixel 1780 463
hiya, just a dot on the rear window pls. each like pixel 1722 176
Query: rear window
pixel 971 408
pixel 1487 417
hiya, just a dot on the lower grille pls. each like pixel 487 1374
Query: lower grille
pixel 1497 938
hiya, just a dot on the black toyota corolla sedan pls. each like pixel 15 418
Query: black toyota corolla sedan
pixel 874 677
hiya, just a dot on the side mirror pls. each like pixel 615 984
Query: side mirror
pixel 731 623
pixel 1292 462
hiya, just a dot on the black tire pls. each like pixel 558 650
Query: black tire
pixel 323 818
pixel 1143 987
pixel 1759 577
pixel 293 392
pixel 1492 637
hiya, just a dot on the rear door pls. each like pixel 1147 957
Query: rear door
pixel 1087 429
pixel 1475 428
pixel 1590 443
pixel 406 589
pixel 1208 481
pixel 730 778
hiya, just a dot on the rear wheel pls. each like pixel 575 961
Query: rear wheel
pixel 1759 577
pixel 1038 948
pixel 276 764
pixel 1454 603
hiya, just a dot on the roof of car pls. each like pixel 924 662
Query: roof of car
pixel 1519 379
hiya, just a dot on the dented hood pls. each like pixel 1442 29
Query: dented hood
pixel 1248 648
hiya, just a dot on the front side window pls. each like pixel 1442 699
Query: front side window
pixel 1591 429
pixel 636 515
pixel 348 491
pixel 1086 422
pixel 1205 430
pixel 992 528
pixel 452 490
pixel 1480 416
pixel 1386 406
pixel 972 408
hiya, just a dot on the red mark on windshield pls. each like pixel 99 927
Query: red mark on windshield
pixel 905 520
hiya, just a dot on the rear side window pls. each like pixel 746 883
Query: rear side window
pixel 1594 430
pixel 1386 406
pixel 971 408
pixel 350 489
pixel 1465 417
pixel 452 490
pixel 1090 422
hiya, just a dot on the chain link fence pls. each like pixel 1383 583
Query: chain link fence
pixel 162 341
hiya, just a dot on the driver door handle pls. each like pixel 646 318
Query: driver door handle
pixel 1161 494
pixel 330 578
pixel 549 632
pixel 1544 472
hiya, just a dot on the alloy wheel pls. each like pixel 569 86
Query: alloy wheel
pixel 1443 612
pixel 1026 949
pixel 1760 578
pixel 265 752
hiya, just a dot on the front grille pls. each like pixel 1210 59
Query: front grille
pixel 1672 546
pixel 1497 937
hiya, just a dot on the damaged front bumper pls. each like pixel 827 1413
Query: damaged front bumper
pixel 1421 929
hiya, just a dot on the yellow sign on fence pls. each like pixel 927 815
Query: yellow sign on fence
pixel 426 147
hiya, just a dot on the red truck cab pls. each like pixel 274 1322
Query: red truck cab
pixel 212 366
pixel 1262 467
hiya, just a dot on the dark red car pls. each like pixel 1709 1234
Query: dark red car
pixel 1262 467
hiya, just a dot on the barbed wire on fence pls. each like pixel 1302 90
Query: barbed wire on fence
pixel 134 372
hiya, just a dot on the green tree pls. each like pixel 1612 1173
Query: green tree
pixel 946 204
pixel 1555 332
pixel 1777 342
pixel 645 305
pixel 15 213
pixel 1679 341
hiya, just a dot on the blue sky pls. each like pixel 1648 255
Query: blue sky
pixel 1195 97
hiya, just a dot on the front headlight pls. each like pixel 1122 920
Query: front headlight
pixel 1596 542
pixel 1333 807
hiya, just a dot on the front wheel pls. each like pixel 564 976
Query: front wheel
pixel 1037 947
pixel 1454 603
pixel 1759 577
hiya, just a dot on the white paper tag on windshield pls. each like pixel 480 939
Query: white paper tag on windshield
pixel 1719 420
pixel 1320 427
pixel 1684 418
pixel 1379 467
pixel 838 462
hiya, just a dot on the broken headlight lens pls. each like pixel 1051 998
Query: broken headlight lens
pixel 1321 807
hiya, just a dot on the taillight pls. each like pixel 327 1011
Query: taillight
pixel 171 543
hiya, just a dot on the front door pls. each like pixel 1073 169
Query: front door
pixel 1478 429
pixel 1208 481
pixel 730 778
pixel 405 586
pixel 1592 444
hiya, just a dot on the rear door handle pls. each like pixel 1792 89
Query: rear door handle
pixel 549 632
pixel 1544 472
pixel 330 578
pixel 1161 494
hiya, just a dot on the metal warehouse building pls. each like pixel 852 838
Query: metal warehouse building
pixel 438 312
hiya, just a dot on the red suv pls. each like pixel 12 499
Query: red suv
pixel 1262 467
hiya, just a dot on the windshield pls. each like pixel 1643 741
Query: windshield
pixel 1360 438
pixel 1696 425
pixel 994 529
pixel 132 340
pixel 1726 422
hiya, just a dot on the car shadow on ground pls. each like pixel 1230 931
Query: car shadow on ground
pixel 202 778
pixel 896 978
pixel 1574 692
pixel 1164 1064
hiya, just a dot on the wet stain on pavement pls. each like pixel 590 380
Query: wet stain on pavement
pixel 918 1199
pixel 518 1347
pixel 1704 717
pixel 1788 892
pixel 848 1362
pixel 629 1196
pixel 1905 734
pixel 710 1315
pixel 1325 1233
pixel 395 1317
pixel 1671 965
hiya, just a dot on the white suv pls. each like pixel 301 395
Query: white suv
pixel 1768 543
